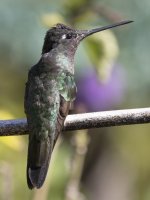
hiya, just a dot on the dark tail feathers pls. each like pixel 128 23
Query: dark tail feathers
pixel 39 154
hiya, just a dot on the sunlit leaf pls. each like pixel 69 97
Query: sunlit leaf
pixel 51 19
pixel 5 115
pixel 74 4
pixel 14 142
pixel 102 49
pixel 85 18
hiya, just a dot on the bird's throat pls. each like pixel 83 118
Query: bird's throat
pixel 65 62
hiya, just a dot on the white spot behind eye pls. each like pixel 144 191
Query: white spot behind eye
pixel 63 36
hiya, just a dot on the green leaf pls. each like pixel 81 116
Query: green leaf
pixel 102 50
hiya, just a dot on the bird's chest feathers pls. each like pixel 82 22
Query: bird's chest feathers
pixel 64 62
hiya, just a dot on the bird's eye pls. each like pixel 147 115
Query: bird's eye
pixel 69 36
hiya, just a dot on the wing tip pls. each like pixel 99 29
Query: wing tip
pixel 34 178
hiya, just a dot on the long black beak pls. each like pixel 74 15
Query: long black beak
pixel 86 33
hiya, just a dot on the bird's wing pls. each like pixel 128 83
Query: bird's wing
pixel 41 107
pixel 67 89
pixel 46 107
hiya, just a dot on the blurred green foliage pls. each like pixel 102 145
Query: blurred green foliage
pixel 23 25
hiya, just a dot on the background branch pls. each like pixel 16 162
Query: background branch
pixel 84 121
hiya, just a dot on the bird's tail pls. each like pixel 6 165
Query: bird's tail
pixel 39 154
pixel 39 151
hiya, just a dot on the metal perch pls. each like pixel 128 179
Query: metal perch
pixel 84 121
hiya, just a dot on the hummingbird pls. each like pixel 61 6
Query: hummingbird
pixel 49 93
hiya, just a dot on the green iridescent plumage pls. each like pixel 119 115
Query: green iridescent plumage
pixel 48 96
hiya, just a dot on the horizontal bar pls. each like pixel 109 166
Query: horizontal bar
pixel 84 121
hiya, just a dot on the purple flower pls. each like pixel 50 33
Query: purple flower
pixel 96 95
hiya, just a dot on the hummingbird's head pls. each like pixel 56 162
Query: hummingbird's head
pixel 61 35
pixel 68 38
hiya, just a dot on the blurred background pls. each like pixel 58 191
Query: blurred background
pixel 112 72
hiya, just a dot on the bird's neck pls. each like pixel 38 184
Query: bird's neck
pixel 63 59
